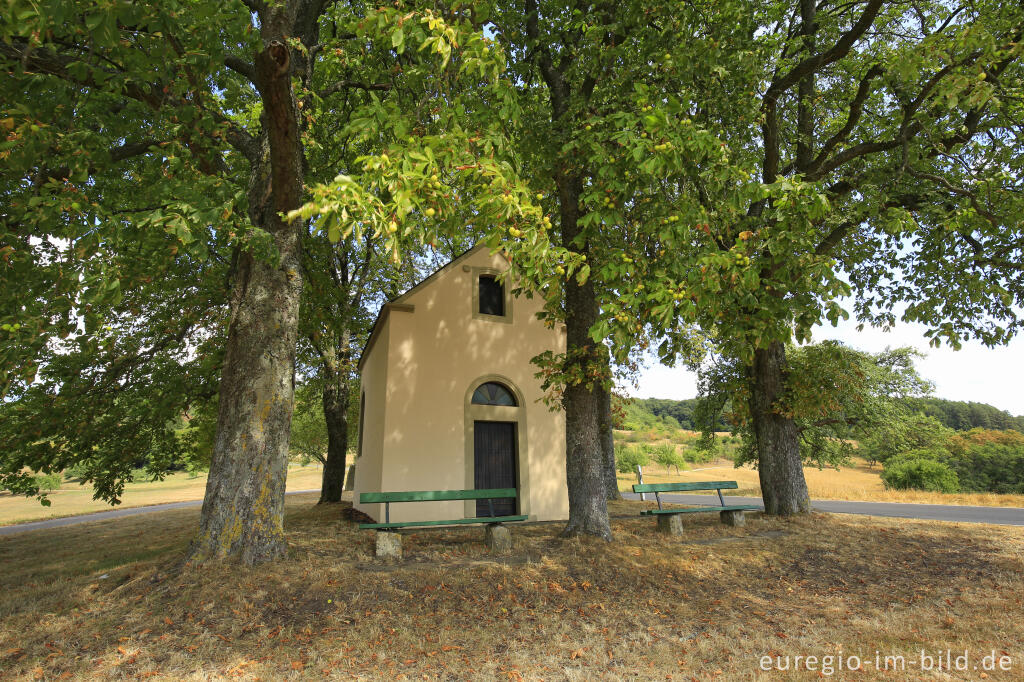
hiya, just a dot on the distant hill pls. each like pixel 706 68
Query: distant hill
pixel 640 414
pixel 965 416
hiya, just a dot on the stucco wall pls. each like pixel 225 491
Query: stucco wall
pixel 373 383
pixel 436 355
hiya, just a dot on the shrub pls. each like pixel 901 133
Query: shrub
pixel 628 458
pixel 990 467
pixel 77 472
pixel 48 481
pixel 988 461
pixel 919 472
pixel 698 454
pixel 666 455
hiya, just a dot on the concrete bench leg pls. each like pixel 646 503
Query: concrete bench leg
pixel 733 518
pixel 389 545
pixel 670 524
pixel 499 538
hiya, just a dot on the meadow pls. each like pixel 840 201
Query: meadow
pixel 73 498
pixel 858 481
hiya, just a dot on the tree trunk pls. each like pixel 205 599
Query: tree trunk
pixel 584 451
pixel 611 480
pixel 243 510
pixel 783 487
pixel 336 414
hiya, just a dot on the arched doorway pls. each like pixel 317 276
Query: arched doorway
pixel 494 416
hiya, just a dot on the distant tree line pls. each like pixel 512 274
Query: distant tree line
pixel 646 413
pixel 964 416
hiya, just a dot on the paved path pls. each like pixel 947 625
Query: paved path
pixel 1006 516
pixel 112 514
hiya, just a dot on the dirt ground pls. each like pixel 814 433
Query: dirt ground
pixel 109 600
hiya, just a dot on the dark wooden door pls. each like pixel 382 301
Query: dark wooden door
pixel 494 464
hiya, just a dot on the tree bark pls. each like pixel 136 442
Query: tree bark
pixel 611 480
pixel 243 510
pixel 584 451
pixel 335 404
pixel 806 90
pixel 783 487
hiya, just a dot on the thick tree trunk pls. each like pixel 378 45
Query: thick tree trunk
pixel 243 510
pixel 336 414
pixel 611 480
pixel 584 451
pixel 783 487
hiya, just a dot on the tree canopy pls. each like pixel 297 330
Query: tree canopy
pixel 708 174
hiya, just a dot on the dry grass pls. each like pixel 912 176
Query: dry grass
pixel 858 482
pixel 103 600
pixel 74 499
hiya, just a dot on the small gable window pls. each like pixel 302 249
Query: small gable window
pixel 493 393
pixel 492 296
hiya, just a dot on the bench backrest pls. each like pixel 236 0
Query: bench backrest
pixel 432 495
pixel 678 487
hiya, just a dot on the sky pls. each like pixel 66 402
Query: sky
pixel 974 373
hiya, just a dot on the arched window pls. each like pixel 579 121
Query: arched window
pixel 493 393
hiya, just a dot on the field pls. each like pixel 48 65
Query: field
pixel 73 498
pixel 109 600
pixel 855 482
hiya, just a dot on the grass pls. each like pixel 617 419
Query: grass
pixel 857 482
pixel 73 498
pixel 104 600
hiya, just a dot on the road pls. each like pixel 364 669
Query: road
pixel 112 514
pixel 1004 516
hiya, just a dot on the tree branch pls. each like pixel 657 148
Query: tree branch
pixel 131 149
pixel 340 86
pixel 833 54
pixel 242 67
pixel 41 60
pixel 552 77
pixel 257 7
pixel 856 109
pixel 125 151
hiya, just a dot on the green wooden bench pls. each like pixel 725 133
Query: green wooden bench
pixel 669 520
pixel 389 544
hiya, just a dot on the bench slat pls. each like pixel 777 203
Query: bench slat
pixel 479 519
pixel 436 495
pixel 652 512
pixel 677 487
